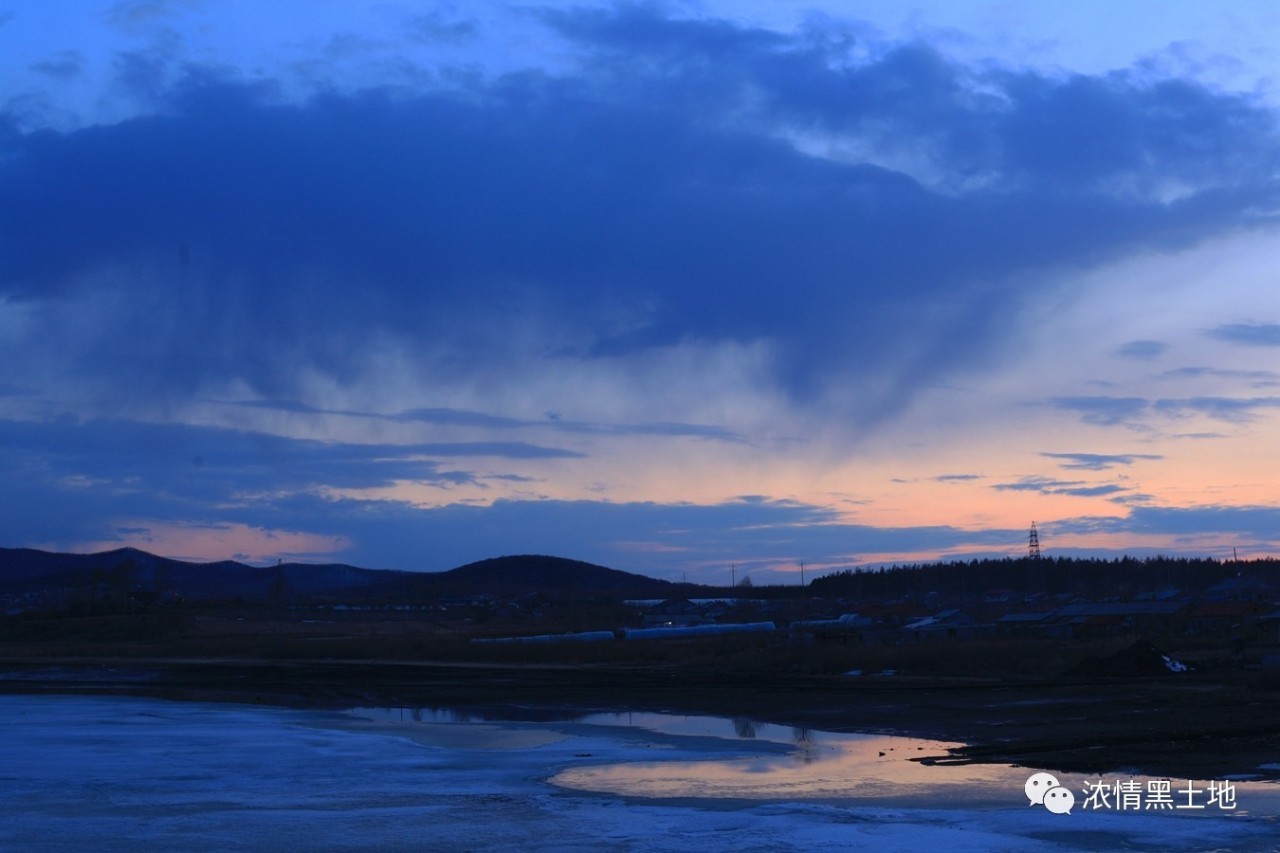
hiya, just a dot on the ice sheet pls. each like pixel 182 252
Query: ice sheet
pixel 109 773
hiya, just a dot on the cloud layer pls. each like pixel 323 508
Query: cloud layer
pixel 665 190
pixel 244 306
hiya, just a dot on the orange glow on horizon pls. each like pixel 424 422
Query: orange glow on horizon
pixel 211 543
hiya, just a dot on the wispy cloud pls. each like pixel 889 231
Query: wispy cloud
pixel 1143 350
pixel 131 14
pixel 1103 411
pixel 461 418
pixel 1254 378
pixel 66 65
pixel 1250 334
pixel 1099 461
pixel 1255 525
pixel 1231 409
pixel 436 26
pixel 1050 486
pixel 187 465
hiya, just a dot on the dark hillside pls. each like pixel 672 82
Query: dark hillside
pixel 25 570
pixel 554 576
pixel 60 579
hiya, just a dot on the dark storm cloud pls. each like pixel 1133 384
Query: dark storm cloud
pixel 69 482
pixel 1251 334
pixel 664 193
pixel 1098 461
pixel 198 467
pixel 644 200
pixel 1056 131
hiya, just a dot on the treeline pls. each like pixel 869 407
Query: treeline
pixel 1090 577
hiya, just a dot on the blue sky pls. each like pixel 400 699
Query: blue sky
pixel 669 287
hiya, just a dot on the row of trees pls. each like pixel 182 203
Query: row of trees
pixel 1082 576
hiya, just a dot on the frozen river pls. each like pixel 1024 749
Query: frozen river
pixel 113 773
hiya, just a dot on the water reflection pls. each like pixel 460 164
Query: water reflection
pixel 824 765
pixel 806 745
pixel 742 728
pixel 741 758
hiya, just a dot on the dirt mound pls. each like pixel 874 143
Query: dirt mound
pixel 1141 658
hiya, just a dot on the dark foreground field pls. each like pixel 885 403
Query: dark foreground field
pixel 1192 725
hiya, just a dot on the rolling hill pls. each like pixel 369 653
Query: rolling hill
pixel 35 575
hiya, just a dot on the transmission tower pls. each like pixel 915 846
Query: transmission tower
pixel 1033 543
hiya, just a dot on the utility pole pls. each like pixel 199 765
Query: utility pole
pixel 802 573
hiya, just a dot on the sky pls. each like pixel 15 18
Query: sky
pixel 696 290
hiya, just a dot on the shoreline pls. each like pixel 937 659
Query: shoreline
pixel 1189 726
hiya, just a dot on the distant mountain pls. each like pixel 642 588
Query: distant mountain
pixel 24 570
pixel 29 573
